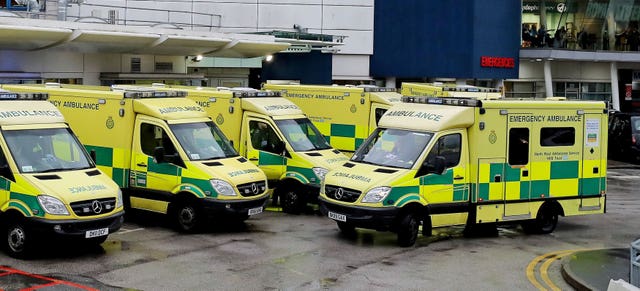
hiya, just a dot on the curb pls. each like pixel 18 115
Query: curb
pixel 571 277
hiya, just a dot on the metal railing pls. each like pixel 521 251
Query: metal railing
pixel 133 13
pixel 635 263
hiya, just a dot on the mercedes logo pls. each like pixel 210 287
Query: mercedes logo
pixel 254 188
pixel 339 193
pixel 96 206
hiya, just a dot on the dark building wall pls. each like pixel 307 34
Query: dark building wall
pixel 310 68
pixel 418 38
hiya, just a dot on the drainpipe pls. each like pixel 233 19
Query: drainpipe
pixel 62 10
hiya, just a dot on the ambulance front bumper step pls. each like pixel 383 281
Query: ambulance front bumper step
pixel 76 228
pixel 233 208
pixel 381 219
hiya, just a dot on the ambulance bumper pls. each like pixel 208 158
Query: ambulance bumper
pixel 364 217
pixel 76 229
pixel 234 208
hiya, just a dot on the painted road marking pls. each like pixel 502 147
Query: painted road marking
pixel 543 271
pixel 128 230
pixel 49 281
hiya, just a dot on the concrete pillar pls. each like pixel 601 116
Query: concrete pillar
pixel 390 82
pixel 548 80
pixel 615 91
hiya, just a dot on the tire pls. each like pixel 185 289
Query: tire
pixel 187 217
pixel 292 202
pixel 346 228
pixel 18 239
pixel 408 230
pixel 545 222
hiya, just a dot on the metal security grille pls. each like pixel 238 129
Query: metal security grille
pixel 252 189
pixel 342 194
pixel 93 207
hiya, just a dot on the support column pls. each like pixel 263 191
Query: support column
pixel 548 83
pixel 615 91
pixel 390 82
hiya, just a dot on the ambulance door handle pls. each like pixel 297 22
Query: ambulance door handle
pixel 458 178
pixel 525 173
pixel 142 165
pixel 595 170
pixel 497 178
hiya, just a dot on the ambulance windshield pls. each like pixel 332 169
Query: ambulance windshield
pixel 203 141
pixel 392 148
pixel 302 135
pixel 46 150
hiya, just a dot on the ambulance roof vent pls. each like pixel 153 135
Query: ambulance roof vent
pixel 442 101
pixel 6 95
pixel 244 94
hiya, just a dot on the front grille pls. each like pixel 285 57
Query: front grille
pixel 252 189
pixel 341 193
pixel 93 207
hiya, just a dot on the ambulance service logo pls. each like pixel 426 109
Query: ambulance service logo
pixel 353 108
pixel 493 137
pixel 110 123
pixel 219 119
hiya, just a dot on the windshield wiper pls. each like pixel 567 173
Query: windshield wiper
pixel 53 170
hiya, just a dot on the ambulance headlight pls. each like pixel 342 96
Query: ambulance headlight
pixel 223 187
pixel 376 195
pixel 320 172
pixel 52 205
pixel 119 199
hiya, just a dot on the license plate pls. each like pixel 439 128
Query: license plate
pixel 254 211
pixel 96 232
pixel 337 216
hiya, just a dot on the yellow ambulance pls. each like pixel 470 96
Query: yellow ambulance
pixel 442 161
pixel 449 90
pixel 164 151
pixel 345 115
pixel 49 185
pixel 275 134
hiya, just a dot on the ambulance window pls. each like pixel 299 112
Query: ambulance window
pixel 518 146
pixel 379 113
pixel 448 147
pixel 263 137
pixel 152 136
pixel 557 136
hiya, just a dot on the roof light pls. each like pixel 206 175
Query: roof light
pixel 6 95
pixel 135 93
pixel 379 89
pixel 442 101
pixel 241 94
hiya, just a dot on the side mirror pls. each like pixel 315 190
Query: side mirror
pixel 93 156
pixel 5 171
pixel 279 147
pixel 438 165
pixel 158 154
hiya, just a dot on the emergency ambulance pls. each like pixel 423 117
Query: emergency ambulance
pixel 345 115
pixel 446 90
pixel 49 185
pixel 461 161
pixel 164 151
pixel 273 133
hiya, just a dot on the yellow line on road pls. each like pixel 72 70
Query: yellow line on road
pixel 544 268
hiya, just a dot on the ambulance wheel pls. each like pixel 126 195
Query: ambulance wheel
pixel 188 217
pixel 408 230
pixel 544 223
pixel 19 239
pixel 292 202
pixel 346 228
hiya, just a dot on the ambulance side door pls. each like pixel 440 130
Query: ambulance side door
pixel 265 147
pixel 593 180
pixel 447 193
pixel 155 179
pixel 518 170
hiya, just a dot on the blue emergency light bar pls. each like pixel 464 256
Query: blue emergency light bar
pixel 471 89
pixel 442 101
pixel 379 89
pixel 245 94
pixel 6 95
